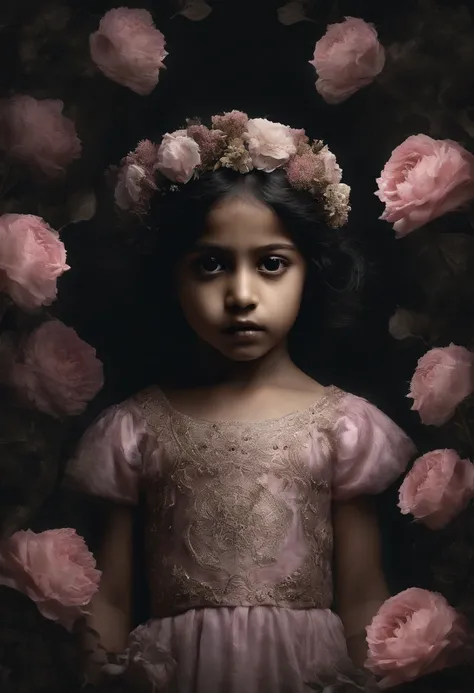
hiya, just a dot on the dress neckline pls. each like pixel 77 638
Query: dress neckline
pixel 328 396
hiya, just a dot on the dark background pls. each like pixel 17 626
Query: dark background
pixel 241 57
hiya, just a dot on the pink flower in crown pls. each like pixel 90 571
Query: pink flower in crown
pixel 54 568
pixel 59 373
pixel 178 156
pixel 347 58
pixel 136 178
pixel 424 179
pixel 129 49
pixel 270 144
pixel 36 133
pixel 31 259
pixel 211 143
pixel 233 123
pixel 310 169
pixel 413 634
pixel 443 379
pixel 437 488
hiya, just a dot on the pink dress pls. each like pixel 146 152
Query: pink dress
pixel 239 534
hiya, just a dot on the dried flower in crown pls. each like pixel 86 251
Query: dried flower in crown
pixel 242 144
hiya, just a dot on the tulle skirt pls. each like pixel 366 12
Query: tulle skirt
pixel 240 650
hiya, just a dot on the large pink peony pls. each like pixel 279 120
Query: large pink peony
pixel 59 373
pixel 31 259
pixel 178 156
pixel 443 378
pixel 36 133
pixel 413 634
pixel 54 568
pixel 424 179
pixel 437 488
pixel 347 58
pixel 129 49
pixel 270 144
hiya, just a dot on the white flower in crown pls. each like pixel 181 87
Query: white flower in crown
pixel 270 144
pixel 178 156
pixel 129 187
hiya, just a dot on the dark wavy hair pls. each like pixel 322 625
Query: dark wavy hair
pixel 335 266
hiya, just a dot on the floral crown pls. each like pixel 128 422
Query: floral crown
pixel 242 144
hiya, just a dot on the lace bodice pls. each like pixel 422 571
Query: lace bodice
pixel 238 513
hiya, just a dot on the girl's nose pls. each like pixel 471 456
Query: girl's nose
pixel 241 292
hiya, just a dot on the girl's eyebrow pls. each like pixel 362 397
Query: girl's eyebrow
pixel 204 246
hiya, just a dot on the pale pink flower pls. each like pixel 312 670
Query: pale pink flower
pixel 54 568
pixel 437 488
pixel 59 373
pixel 136 176
pixel 413 634
pixel 37 134
pixel 233 123
pixel 424 179
pixel 270 144
pixel 129 49
pixel 128 190
pixel 348 57
pixel 31 259
pixel 178 156
pixel 443 378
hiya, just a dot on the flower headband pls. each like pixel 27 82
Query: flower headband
pixel 242 144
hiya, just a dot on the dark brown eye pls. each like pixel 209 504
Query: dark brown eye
pixel 274 265
pixel 209 265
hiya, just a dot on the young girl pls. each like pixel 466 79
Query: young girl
pixel 255 478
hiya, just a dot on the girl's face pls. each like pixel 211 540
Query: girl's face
pixel 240 286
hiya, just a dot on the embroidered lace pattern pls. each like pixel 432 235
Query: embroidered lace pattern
pixel 239 514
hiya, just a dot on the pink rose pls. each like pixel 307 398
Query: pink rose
pixel 442 379
pixel 424 179
pixel 60 373
pixel 437 488
pixel 54 568
pixel 270 144
pixel 31 259
pixel 413 634
pixel 347 58
pixel 178 156
pixel 36 133
pixel 129 49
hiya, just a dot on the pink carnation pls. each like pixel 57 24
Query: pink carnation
pixel 59 373
pixel 270 144
pixel 233 123
pixel 443 378
pixel 437 488
pixel 424 179
pixel 178 157
pixel 31 259
pixel 54 568
pixel 37 134
pixel 413 634
pixel 129 49
pixel 347 58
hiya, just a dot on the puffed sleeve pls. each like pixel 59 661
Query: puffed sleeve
pixel 107 461
pixel 372 451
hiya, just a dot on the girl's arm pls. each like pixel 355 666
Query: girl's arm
pixel 360 586
pixel 109 621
